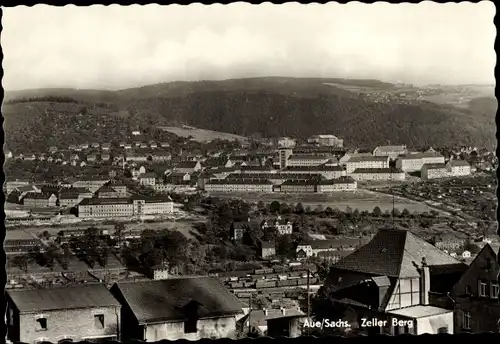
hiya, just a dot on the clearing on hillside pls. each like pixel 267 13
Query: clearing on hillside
pixel 202 135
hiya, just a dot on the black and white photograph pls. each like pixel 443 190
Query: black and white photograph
pixel 248 171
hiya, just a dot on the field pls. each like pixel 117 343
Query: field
pixel 361 199
pixel 202 135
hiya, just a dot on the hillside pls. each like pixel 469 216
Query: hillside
pixel 266 106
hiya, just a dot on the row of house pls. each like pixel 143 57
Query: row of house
pixel 170 309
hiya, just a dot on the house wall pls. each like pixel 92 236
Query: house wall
pixel 75 324
pixel 406 293
pixel 224 327
pixel 433 323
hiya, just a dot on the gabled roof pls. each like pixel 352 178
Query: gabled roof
pixel 458 163
pixel 62 298
pixel 390 149
pixel 165 300
pixel 396 252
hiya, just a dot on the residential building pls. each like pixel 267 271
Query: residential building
pixel 106 191
pixel 414 162
pixel 92 158
pixel 105 157
pixel 390 151
pixel 91 183
pixel 338 184
pixel 477 307
pixel 147 179
pixel 356 162
pixel 433 171
pixel 303 160
pixel 328 172
pixel 378 174
pixel 283 155
pixel 286 142
pixel 137 157
pixel 40 200
pixel 160 156
pixel 85 312
pixel 124 207
pixel 238 229
pixel 313 248
pixel 343 160
pixel 153 145
pixel 177 308
pixel 267 249
pixel 238 185
pixel 282 226
pixel 106 146
pixel 299 186
pixel 458 168
pixel 257 170
pixel 188 166
pixel 326 140
pixel 401 286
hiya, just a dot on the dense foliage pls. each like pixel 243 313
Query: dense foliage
pixel 266 107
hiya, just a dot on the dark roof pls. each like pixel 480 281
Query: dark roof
pixel 367 158
pixel 378 170
pixel 341 180
pixel 396 252
pixel 99 201
pixel 420 155
pixel 239 182
pixel 458 163
pixel 60 298
pixel 186 164
pixel 267 244
pixel 300 182
pixel 164 300
pixel 320 168
pixel 434 166
pixel 307 157
pixel 36 195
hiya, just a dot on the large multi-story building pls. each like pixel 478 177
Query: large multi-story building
pixel 299 186
pixel 124 207
pixel 239 185
pixel 40 200
pixel 147 179
pixel 284 155
pixel 414 162
pixel 391 151
pixel 281 225
pixel 86 312
pixel 374 174
pixel 357 162
pixel 433 171
pixel 328 172
pixel 457 168
pixel 339 184
pixel 326 140
pixel 275 178
pixel 303 160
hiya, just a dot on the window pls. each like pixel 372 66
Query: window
pixel 466 321
pixel 494 290
pixel 482 289
pixel 41 324
pixel 99 321
pixel 190 326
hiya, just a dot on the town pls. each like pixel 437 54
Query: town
pixel 123 218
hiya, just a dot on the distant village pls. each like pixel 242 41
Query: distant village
pixel 433 285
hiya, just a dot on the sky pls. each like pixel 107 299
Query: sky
pixel 118 47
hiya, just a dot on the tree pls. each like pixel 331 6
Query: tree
pixel 119 233
pixel 472 247
pixel 299 209
pixel 319 209
pixel 396 212
pixel 275 207
pixel 348 210
pixel 285 246
pixel 284 208
pixel 405 213
pixel 22 262
pixel 377 212
pixel 261 206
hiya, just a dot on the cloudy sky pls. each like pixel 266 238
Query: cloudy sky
pixel 118 47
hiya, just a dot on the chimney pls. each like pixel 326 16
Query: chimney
pixel 425 283
pixel 265 312
pixel 283 311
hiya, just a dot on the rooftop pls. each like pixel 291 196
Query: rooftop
pixel 164 300
pixel 399 250
pixel 62 298
pixel 377 170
